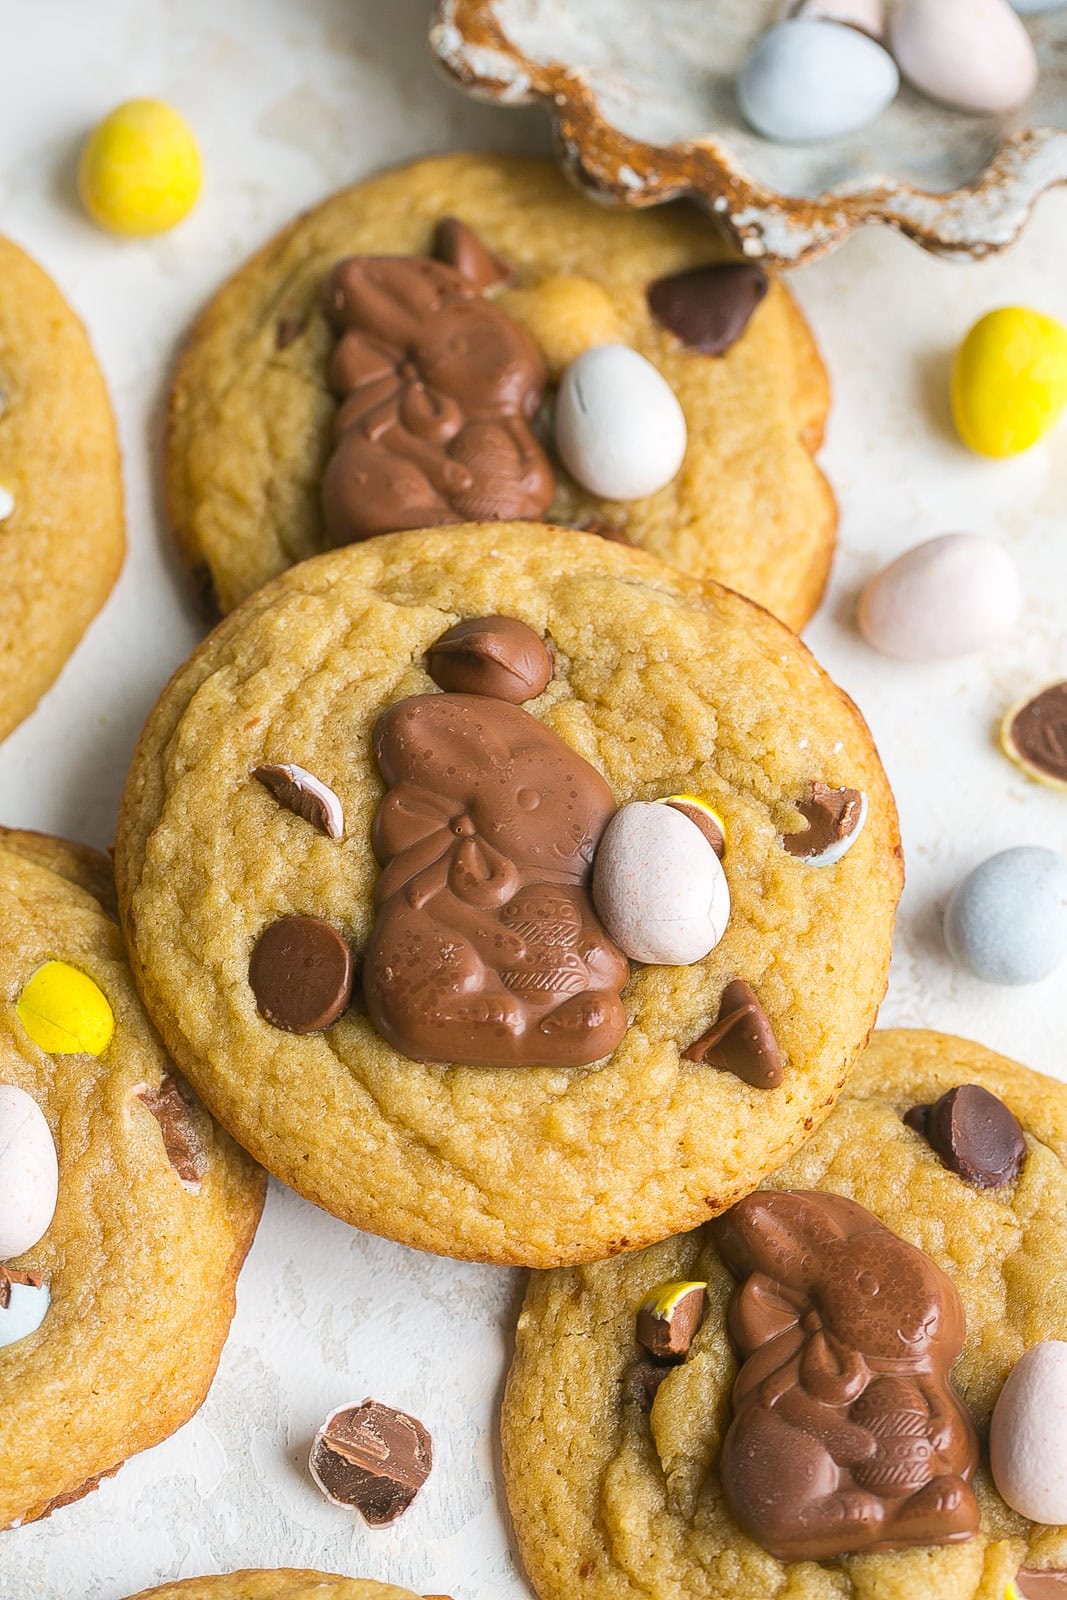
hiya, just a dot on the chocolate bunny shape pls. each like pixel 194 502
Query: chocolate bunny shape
pixel 438 388
pixel 847 1433
pixel 486 949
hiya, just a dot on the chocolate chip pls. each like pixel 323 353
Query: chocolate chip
pixel 171 1106
pixel 605 530
pixel 705 820
pixel 288 331
pixel 301 792
pixel 495 656
pixel 301 974
pixel 975 1135
pixel 741 1041
pixel 709 308
pixel 372 1459
pixel 642 1381
pixel 832 815
pixel 1036 735
pixel 460 247
pixel 668 1319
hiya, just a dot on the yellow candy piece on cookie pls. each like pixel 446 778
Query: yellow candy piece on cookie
pixel 139 172
pixel 1009 382
pixel 65 1012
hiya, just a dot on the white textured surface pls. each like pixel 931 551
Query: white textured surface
pixel 291 98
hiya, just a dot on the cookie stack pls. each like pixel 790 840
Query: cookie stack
pixel 504 875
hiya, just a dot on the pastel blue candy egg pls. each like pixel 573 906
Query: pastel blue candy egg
pixel 808 79
pixel 26 1309
pixel 1007 920
pixel 1030 8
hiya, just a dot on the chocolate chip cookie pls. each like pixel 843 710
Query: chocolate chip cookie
pixel 389 361
pixel 283 1584
pixel 466 875
pixel 796 1398
pixel 61 520
pixel 125 1213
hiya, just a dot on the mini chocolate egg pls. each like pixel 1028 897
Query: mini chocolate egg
pixel 1007 921
pixel 1028 1434
pixel 947 597
pixel 658 885
pixel 620 431
pixel 1009 381
pixel 972 54
pixel 26 1308
pixel 866 14
pixel 807 79
pixel 29 1172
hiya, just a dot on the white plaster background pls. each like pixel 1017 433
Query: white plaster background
pixel 290 99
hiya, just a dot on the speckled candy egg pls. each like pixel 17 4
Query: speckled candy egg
pixel 658 885
pixel 1007 920
pixel 808 79
pixel 29 1172
pixel 1009 380
pixel 620 430
pixel 1028 1434
pixel 972 54
pixel 27 1307
pixel 947 597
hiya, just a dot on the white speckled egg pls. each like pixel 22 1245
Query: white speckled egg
pixel 658 885
pixel 29 1172
pixel 1007 921
pixel 972 54
pixel 1028 1434
pixel 26 1309
pixel 866 14
pixel 620 430
pixel 808 79
pixel 947 597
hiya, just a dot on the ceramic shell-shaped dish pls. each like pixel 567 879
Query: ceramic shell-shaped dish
pixel 641 92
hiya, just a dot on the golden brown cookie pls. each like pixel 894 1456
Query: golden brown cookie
pixel 660 685
pixel 133 1279
pixel 283 1584
pixel 251 412
pixel 61 520
pixel 619 1468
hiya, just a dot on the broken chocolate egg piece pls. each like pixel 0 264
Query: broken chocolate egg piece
pixel 668 1318
pixel 172 1107
pixel 301 792
pixel 1034 736
pixel 24 1302
pixel 835 819
pixel 371 1459
pixel 741 1040
pixel 704 815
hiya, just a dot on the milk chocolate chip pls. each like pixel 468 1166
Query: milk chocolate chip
pixel 171 1105
pixel 301 792
pixel 709 308
pixel 741 1040
pixel 668 1318
pixel 371 1459
pixel 1035 735
pixel 301 974
pixel 975 1135
pixel 496 656
pixel 1046 1584
pixel 847 1434
pixel 460 247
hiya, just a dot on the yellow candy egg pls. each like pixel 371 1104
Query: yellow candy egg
pixel 1009 383
pixel 65 1012
pixel 140 169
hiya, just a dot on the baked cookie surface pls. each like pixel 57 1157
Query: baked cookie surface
pixel 628 1488
pixel 283 1584
pixel 251 411
pixel 659 686
pixel 156 1206
pixel 61 518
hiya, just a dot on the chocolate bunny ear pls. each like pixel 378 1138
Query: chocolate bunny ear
pixel 780 1233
